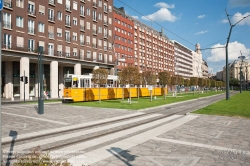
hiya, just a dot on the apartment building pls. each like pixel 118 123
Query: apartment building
pixel 204 69
pixel 197 62
pixel 152 49
pixel 123 38
pixel 183 60
pixel 76 36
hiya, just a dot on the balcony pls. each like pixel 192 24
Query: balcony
pixel 82 42
pixel 105 48
pixel 31 30
pixel 82 1
pixel 82 13
pixel 51 52
pixel 67 8
pixel 94 45
pixel 7 24
pixel 105 10
pixel 7 4
pixel 82 28
pixel 94 5
pixel 94 32
pixel 51 18
pixel 32 12
pixel 51 35
pixel 67 54
pixel 52 2
pixel 59 53
pixel 67 39
pixel 67 23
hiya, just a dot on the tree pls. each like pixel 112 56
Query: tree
pixel 200 82
pixel 129 76
pixel 139 81
pixel 186 82
pixel 149 79
pixel 164 79
pixel 234 82
pixel 193 81
pixel 173 80
pixel 100 77
pixel 213 83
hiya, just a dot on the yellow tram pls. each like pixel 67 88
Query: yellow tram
pixel 81 88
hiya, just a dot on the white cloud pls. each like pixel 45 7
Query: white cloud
pixel 224 21
pixel 234 49
pixel 238 16
pixel 201 16
pixel 237 3
pixel 201 32
pixel 136 17
pixel 161 15
pixel 164 5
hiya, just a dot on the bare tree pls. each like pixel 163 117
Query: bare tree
pixel 164 79
pixel 149 79
pixel 100 77
pixel 129 76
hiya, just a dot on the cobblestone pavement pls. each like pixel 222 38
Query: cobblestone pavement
pixel 206 140
pixel 25 119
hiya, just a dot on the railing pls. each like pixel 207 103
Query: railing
pixel 51 18
pixel 52 2
pixel 7 24
pixel 67 54
pixel 67 39
pixel 105 35
pixel 31 30
pixel 31 11
pixel 105 9
pixel 51 35
pixel 67 7
pixel 94 32
pixel 105 22
pixel 82 42
pixel 94 18
pixel 50 52
pixel 82 1
pixel 7 4
pixel 82 28
pixel 105 48
pixel 94 45
pixel 67 23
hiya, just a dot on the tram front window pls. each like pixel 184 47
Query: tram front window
pixel 67 82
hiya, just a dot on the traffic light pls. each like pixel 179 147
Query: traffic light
pixel 21 78
pixel 26 80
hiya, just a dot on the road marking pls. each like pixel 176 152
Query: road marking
pixel 105 152
pixel 219 134
pixel 61 129
pixel 214 147
pixel 46 120
pixel 77 134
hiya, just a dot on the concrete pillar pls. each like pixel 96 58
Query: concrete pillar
pixel 54 79
pixel 8 88
pixel 61 83
pixel 24 67
pixel 77 69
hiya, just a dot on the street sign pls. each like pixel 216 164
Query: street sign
pixel 1 5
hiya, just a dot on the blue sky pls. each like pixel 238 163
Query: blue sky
pixel 198 21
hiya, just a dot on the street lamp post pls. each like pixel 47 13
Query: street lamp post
pixel 241 74
pixel 227 69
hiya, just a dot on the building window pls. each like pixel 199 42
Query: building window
pixel 59 16
pixel 42 9
pixel 19 3
pixel 41 27
pixel 19 21
pixel 88 54
pixel 100 56
pixel 74 21
pixel 31 8
pixel 88 11
pixel 59 32
pixel 88 25
pixel 110 58
pixel 31 45
pixel 50 49
pixel 7 41
pixel 99 29
pixel 59 1
pixel 74 36
pixel 94 15
pixel 67 36
pixel 82 11
pixel 100 3
pixel 31 28
pixel 74 51
pixel 51 14
pixel 99 16
pixel 75 5
pixel 7 20
pixel 67 20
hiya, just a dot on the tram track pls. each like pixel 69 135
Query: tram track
pixel 120 128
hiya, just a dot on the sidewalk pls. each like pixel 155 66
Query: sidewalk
pixel 18 100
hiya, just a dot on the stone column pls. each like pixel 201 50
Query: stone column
pixel 77 69
pixel 61 83
pixel 8 88
pixel 54 79
pixel 24 67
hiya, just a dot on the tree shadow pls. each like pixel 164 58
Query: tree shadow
pixel 111 93
pixel 122 155
pixel 12 134
pixel 89 95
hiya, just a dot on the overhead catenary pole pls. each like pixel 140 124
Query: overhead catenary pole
pixel 227 66
pixel 24 86
pixel 1 1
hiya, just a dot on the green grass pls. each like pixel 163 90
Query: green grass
pixel 237 105
pixel 143 103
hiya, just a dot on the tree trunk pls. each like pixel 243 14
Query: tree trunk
pixel 122 93
pixel 138 93
pixel 164 92
pixel 129 95
pixel 150 95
